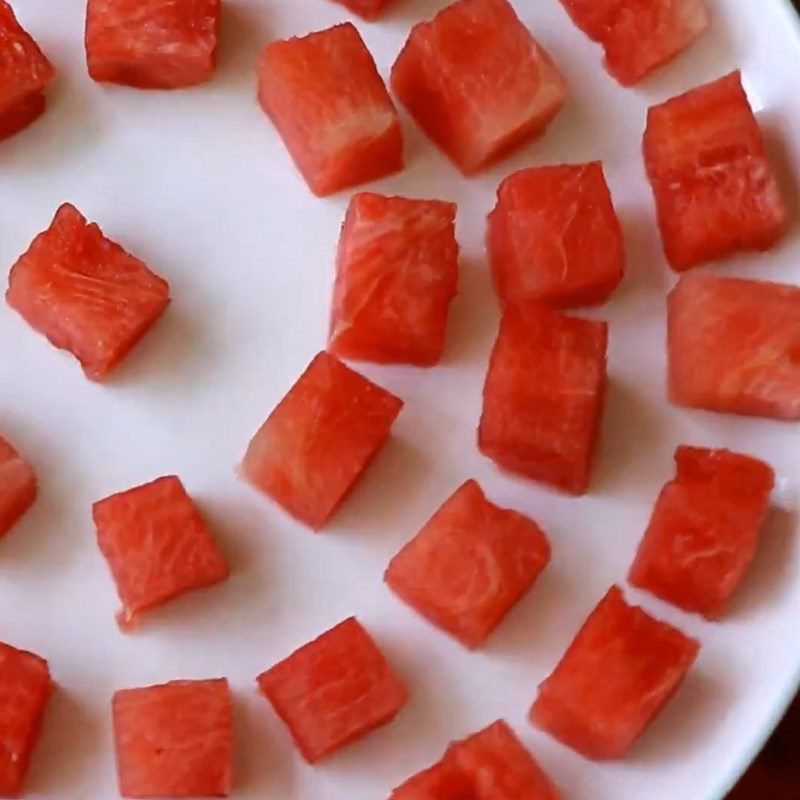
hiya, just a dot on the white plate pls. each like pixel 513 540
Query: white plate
pixel 198 184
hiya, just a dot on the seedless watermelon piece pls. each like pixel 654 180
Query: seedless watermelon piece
pixel 25 687
pixel 543 396
pixel 470 563
pixel 334 690
pixel 152 44
pixel 174 740
pixel 157 546
pixel 314 446
pixel 704 530
pixel 477 82
pixel 734 346
pixel 17 486
pixel 617 675
pixel 368 9
pixel 331 108
pixel 396 273
pixel 85 293
pixel 554 237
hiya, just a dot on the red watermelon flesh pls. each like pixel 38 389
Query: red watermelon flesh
pixel 85 293
pixel 617 675
pixel 470 563
pixel 477 82
pixel 704 530
pixel 17 486
pixel 715 191
pixel 543 396
pixel 174 740
pixel 396 273
pixel 25 687
pixel 734 346
pixel 152 44
pixel 334 690
pixel 554 237
pixel 368 9
pixel 157 546
pixel 331 108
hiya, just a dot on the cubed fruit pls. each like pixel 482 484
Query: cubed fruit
pixel 617 675
pixel 333 690
pixel 734 346
pixel 543 396
pixel 17 486
pixel 157 546
pixel 491 764
pixel 477 82
pixel 25 73
pixel 396 273
pixel 639 35
pixel 331 108
pixel 320 438
pixel 470 563
pixel 85 293
pixel 368 9
pixel 704 530
pixel 174 740
pixel 715 191
pixel 554 237
pixel 152 44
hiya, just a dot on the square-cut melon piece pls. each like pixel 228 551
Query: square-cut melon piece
pixel 17 486
pixel 368 9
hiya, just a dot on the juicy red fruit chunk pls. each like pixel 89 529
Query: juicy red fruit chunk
pixel 734 346
pixel 617 675
pixel 319 439
pixel 396 273
pixel 477 82
pixel 704 530
pixel 468 566
pixel 368 9
pixel 715 191
pixel 174 740
pixel 554 237
pixel 331 108
pixel 17 486
pixel 333 690
pixel 157 546
pixel 152 44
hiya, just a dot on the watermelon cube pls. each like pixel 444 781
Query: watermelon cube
pixel 17 486
pixel 396 273
pixel 639 35
pixel 152 44
pixel 554 237
pixel 617 675
pixel 368 9
pixel 715 191
pixel 174 740
pixel 734 346
pixel 333 690
pixel 477 82
pixel 85 293
pixel 25 73
pixel 468 566
pixel 704 530
pixel 320 438
pixel 489 765
pixel 25 688
pixel 543 396
pixel 157 546
pixel 331 108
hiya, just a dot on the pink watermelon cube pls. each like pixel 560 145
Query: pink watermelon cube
pixel 469 565
pixel 554 237
pixel 315 445
pixel 17 486
pixel 157 546
pixel 543 396
pixel 704 530
pixel 396 273
pixel 174 740
pixel 477 82
pixel 331 108
pixel 617 675
pixel 368 9
pixel 734 346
